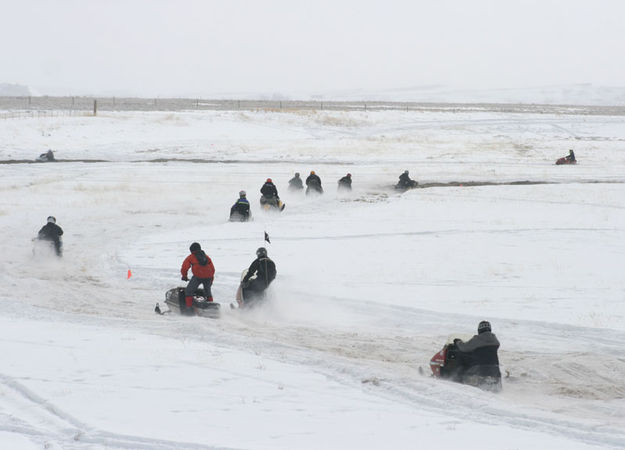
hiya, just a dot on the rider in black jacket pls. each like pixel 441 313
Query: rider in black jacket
pixel 479 359
pixel 260 274
pixel 295 183
pixel 313 183
pixel 345 183
pixel 52 232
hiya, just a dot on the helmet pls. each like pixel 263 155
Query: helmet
pixel 195 247
pixel 261 252
pixel 406 172
pixel 483 326
pixel 51 219
pixel 269 180
pixel 297 174
pixel 349 175
pixel 312 172
pixel 242 193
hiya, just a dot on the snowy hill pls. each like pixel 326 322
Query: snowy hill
pixel 370 283
pixel 581 94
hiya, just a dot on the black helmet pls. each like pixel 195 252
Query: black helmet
pixel 195 247
pixel 296 174
pixel 51 219
pixel 261 252
pixel 483 326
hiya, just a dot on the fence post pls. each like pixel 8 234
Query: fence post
pixel 365 106
pixel 95 107
pixel 280 104
pixel 197 103
pixel 321 106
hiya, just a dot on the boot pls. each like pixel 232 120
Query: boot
pixel 189 311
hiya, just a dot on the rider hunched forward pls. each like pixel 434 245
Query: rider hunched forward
pixel 52 233
pixel 474 362
pixel 296 183
pixel 270 198
pixel 313 184
pixel 259 276
pixel 240 211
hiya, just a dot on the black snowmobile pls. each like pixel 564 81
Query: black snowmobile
pixel 406 186
pixel 46 157
pixel 175 300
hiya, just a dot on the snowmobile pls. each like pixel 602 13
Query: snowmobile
pixel 447 364
pixel 46 157
pixel 271 204
pixel 175 300
pixel 404 187
pixel 235 216
pixel 246 299
pixel 565 160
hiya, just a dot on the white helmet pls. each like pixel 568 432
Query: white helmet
pixel 242 193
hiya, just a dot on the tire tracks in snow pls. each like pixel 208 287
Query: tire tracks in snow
pixel 47 424
pixel 386 364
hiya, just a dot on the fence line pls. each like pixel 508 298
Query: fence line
pixel 81 105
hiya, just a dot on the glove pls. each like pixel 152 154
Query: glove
pixel 184 278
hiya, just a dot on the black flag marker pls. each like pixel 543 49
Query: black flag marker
pixel 267 237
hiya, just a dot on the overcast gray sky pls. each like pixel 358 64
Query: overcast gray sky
pixel 195 47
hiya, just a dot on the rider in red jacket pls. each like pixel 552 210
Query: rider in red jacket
pixel 203 273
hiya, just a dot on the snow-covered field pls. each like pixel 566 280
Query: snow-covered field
pixel 369 284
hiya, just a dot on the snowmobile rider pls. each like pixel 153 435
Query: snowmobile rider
pixel 296 183
pixel 240 211
pixel 571 156
pixel 52 232
pixel 345 183
pixel 313 183
pixel 479 359
pixel 270 193
pixel 203 273
pixel 405 181
pixel 260 274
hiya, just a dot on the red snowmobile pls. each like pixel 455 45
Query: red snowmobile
pixel 448 365
pixel 445 364
pixel 565 160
